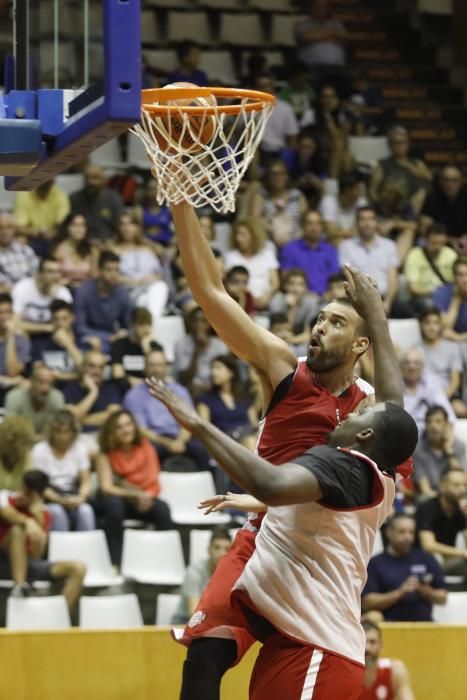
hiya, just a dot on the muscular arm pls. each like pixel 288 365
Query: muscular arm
pixel 268 354
pixel 430 544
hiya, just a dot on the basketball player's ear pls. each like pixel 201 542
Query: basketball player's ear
pixel 365 434
pixel 360 345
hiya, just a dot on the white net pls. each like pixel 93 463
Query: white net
pixel 205 174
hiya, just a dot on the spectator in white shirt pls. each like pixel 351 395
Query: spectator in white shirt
pixel 32 297
pixel 66 462
pixel 339 211
pixel 251 249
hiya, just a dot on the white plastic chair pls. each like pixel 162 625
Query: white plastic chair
pixel 7 198
pixel 460 430
pixel 405 332
pixel 183 491
pixel 241 30
pixel 90 548
pixel 162 58
pixel 108 155
pixel 168 331
pixel 219 67
pixel 379 544
pixel 199 543
pixel 455 610
pixel 149 30
pixel 153 557
pixel 369 149
pixel 137 155
pixel 110 612
pixel 283 30
pixel 42 613
pixel 183 24
pixel 166 605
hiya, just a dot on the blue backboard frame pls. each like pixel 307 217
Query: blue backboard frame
pixel 106 111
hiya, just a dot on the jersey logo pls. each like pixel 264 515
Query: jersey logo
pixel 197 618
pixel 381 692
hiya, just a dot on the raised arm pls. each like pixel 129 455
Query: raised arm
pixel 271 486
pixel 366 299
pixel 267 353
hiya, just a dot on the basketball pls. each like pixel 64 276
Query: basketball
pixel 190 131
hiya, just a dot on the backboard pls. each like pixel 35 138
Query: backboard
pixel 73 82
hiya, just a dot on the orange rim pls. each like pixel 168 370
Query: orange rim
pixel 151 100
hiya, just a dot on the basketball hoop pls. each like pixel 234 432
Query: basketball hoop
pixel 209 171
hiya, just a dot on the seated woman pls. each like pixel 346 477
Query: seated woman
pixel 225 404
pixel 251 249
pixel 128 472
pixel 66 462
pixel 140 267
pixel 75 252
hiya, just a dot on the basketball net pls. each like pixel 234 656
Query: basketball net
pixel 206 174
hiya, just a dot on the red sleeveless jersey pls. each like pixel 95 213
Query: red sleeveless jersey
pixel 305 415
pixel 381 689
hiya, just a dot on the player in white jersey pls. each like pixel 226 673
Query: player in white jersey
pixel 300 591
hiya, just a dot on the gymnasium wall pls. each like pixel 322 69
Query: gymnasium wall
pixel 145 664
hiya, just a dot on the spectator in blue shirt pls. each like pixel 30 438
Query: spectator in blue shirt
pixel 451 300
pixel 317 258
pixel 103 306
pixel 155 421
pixel 404 582
pixel 189 56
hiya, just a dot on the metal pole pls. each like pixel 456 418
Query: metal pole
pixel 21 43
pixel 86 44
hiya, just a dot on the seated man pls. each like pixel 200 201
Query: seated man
pixel 236 284
pixel 24 522
pixel 442 518
pixel 155 421
pixel 436 451
pixel 451 300
pixel 14 348
pixel 300 305
pixel 198 574
pixel 90 398
pixel 37 402
pixel 128 354
pixel 59 351
pixel 403 582
pixel 17 260
pixel 103 305
pixel 33 296
pixel 384 678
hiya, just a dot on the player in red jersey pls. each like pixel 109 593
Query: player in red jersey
pixel 303 402
pixel 385 679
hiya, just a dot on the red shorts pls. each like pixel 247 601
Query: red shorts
pixel 288 669
pixel 214 616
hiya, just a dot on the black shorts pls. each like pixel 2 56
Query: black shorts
pixel 38 569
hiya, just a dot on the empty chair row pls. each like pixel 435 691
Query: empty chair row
pixel 235 29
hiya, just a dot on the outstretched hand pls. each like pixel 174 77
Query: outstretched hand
pixel 181 411
pixel 363 292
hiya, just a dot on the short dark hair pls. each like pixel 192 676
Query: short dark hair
pixel 220 533
pixel 294 272
pixel 236 270
pixel 5 298
pixel 184 48
pixel 278 317
pixel 429 311
pixel 399 516
pixel 336 278
pixel 435 229
pixel 60 305
pixel 365 207
pixel 36 481
pixel 140 315
pixel 433 410
pixel 396 436
pixel 347 181
pixel 107 256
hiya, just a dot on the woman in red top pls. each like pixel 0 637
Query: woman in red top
pixel 128 470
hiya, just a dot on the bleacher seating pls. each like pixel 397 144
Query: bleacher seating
pixel 455 610
pixel 183 492
pixel 91 549
pixel 42 613
pixel 110 612
pixel 153 557
pixel 166 606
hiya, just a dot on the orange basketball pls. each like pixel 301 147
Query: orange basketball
pixel 189 132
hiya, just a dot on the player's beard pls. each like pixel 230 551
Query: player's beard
pixel 326 360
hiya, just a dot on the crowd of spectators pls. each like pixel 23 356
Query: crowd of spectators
pixel 85 279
